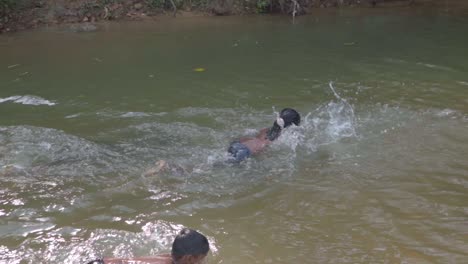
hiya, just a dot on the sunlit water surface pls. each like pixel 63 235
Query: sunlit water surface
pixel 376 173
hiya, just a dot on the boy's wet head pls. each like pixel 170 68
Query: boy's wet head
pixel 286 117
pixel 189 247
pixel 290 116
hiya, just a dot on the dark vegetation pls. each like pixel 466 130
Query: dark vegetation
pixel 21 14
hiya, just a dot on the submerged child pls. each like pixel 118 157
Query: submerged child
pixel 245 147
pixel 189 247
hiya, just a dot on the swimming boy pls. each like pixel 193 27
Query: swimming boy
pixel 243 148
pixel 189 247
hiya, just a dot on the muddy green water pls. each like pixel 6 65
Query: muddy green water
pixel 376 173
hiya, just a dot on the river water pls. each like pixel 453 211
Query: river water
pixel 376 173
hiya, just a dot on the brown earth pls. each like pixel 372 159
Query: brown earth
pixel 83 13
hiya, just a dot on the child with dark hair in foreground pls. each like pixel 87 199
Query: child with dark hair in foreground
pixel 189 247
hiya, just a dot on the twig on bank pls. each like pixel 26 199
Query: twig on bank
pixel 295 8
pixel 175 8
pixel 106 13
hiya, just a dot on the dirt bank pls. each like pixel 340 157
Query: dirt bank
pixel 25 14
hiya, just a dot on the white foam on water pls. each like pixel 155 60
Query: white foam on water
pixel 292 137
pixel 328 123
pixel 393 60
pixel 445 112
pixel 107 113
pixel 11 98
pixel 73 116
pixel 134 114
pixel 433 66
pixel 326 128
pixel 27 100
pixel 195 146
pixel 56 152
pixel 57 247
pixel 345 114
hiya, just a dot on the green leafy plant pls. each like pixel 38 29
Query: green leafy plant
pixel 157 3
pixel 179 3
pixel 10 4
pixel 201 4
pixel 6 6
pixel 262 6
pixel 110 2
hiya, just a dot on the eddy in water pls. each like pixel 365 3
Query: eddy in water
pixel 243 148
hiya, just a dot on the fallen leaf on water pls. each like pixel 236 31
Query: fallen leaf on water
pixel 199 69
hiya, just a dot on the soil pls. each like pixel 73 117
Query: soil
pixel 82 14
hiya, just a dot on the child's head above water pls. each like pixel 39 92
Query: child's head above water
pixel 286 117
pixel 289 117
pixel 189 247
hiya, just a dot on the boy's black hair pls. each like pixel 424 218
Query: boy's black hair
pixel 289 116
pixel 189 242
pixel 97 261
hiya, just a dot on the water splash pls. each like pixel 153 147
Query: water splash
pixel 35 150
pixel 27 100
pixel 342 116
pixel 69 245
pixel 329 123
pixel 76 165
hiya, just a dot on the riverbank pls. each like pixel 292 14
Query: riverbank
pixel 377 176
pixel 17 15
